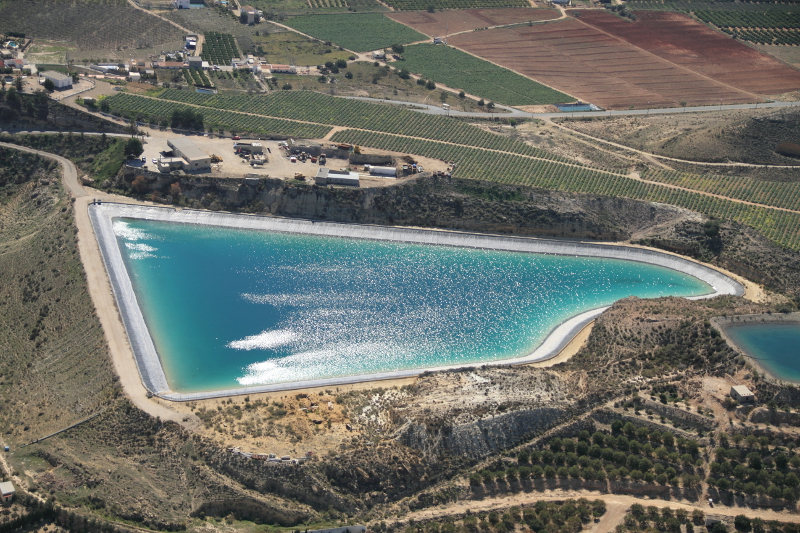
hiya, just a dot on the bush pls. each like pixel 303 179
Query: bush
pixel 742 523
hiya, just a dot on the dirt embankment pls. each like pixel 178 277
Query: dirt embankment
pixel 445 203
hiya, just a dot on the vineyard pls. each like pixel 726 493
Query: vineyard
pixel 196 77
pixel 419 5
pixel 779 226
pixel 360 32
pixel 457 69
pixel 96 25
pixel 323 109
pixel 219 48
pixel 765 27
pixel 159 112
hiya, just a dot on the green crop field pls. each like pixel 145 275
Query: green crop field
pixel 780 226
pixel 159 111
pixel 360 32
pixel 459 70
pixel 219 48
pixel 323 109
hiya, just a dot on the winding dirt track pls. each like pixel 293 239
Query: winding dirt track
pixel 103 298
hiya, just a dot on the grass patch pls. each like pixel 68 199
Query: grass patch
pixel 108 162
pixel 291 48
pixel 459 70
pixel 357 32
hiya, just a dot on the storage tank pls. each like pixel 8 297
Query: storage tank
pixel 383 171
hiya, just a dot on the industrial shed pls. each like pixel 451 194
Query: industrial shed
pixel 60 81
pixel 7 491
pixel 326 176
pixel 195 158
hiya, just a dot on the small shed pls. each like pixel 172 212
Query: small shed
pixel 325 176
pixel 378 54
pixel 742 394
pixel 135 76
pixel 195 62
pixel 7 491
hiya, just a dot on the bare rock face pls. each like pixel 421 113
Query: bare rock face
pixel 477 412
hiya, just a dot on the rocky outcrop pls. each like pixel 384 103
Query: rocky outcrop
pixel 428 202
pixel 485 436
pixel 763 415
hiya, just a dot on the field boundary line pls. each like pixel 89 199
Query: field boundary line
pixel 76 424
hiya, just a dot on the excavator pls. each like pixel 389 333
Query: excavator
pixel 215 158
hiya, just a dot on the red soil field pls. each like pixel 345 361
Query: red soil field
pixel 686 42
pixel 596 67
pixel 436 24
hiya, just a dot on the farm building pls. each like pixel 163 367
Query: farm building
pixel 250 15
pixel 168 164
pixel 135 76
pixel 326 176
pixel 7 491
pixel 195 158
pixel 195 62
pixel 281 69
pixel 742 394
pixel 174 65
pixel 378 54
pixel 181 4
pixel 249 147
pixel 60 81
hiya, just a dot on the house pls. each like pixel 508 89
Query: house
pixel 195 158
pixel 249 15
pixel 7 491
pixel 60 81
pixel 135 76
pixel 281 69
pixel 326 176
pixel 379 54
pixel 742 394
pixel 195 62
pixel 181 4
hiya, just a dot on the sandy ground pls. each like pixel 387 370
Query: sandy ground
pixel 616 504
pixel 573 347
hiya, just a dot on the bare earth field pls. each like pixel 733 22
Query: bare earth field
pixel 786 54
pixel 449 22
pixel 688 43
pixel 596 67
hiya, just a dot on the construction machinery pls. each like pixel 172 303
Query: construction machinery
pixel 215 158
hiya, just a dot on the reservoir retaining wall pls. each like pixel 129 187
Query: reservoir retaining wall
pixel 149 364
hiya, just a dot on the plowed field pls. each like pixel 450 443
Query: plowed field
pixel 686 42
pixel 596 67
pixel 437 24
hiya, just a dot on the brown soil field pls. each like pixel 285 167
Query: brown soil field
pixel 688 43
pixel 580 60
pixel 450 22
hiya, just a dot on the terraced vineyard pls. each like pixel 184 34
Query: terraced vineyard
pixel 360 32
pixel 779 226
pixel 219 48
pixel 323 109
pixel 454 68
pixel 159 111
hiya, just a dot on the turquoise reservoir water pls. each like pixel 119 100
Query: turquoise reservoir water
pixel 229 308
pixel 776 347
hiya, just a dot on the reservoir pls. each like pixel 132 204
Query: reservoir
pixel 231 309
pixel 774 346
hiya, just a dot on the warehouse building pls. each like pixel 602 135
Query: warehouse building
pixel 326 176
pixel 60 81
pixel 195 158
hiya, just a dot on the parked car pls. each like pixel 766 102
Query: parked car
pixel 236 138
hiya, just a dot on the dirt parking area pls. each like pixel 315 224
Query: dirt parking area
pixel 278 165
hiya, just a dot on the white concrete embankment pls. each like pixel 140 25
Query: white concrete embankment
pixel 147 358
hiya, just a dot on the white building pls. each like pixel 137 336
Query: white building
pixel 60 81
pixel 742 394
pixel 181 4
pixel 7 491
pixel 326 176
pixel 135 76
pixel 195 158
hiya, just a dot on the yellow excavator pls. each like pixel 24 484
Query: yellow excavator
pixel 215 158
